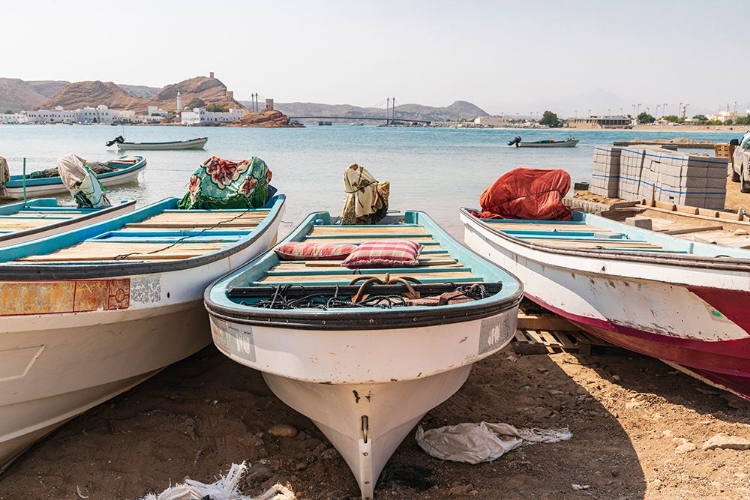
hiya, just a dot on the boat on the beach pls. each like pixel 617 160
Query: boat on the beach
pixel 42 217
pixel 366 342
pixel 87 314
pixel 682 301
pixel 124 145
pixel 546 143
pixel 48 182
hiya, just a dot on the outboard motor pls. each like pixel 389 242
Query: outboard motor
pixel 81 182
pixel 118 140
pixel 515 141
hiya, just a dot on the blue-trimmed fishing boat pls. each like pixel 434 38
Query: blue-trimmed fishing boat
pixel 41 217
pixel 681 301
pixel 364 352
pixel 115 172
pixel 87 314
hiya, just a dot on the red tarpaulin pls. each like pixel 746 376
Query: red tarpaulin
pixel 527 193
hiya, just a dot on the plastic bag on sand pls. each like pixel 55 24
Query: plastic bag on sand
pixel 223 489
pixel 483 442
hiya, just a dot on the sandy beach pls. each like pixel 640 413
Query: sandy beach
pixel 641 430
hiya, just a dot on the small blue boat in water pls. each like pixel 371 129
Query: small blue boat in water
pixel 365 328
pixel 110 173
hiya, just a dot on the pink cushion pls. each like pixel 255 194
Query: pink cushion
pixel 384 253
pixel 308 250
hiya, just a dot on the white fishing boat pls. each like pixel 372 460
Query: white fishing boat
pixel 87 314
pixel 111 173
pixel 123 145
pixel 42 217
pixel 385 335
pixel 681 301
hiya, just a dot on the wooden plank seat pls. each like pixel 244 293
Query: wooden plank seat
pixel 382 231
pixel 20 224
pixel 93 250
pixel 202 219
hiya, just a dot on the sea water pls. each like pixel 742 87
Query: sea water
pixel 436 170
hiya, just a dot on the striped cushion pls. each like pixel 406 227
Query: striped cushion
pixel 384 253
pixel 308 250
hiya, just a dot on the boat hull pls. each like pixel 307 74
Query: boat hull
pixel 162 146
pixel 376 384
pixel 690 313
pixel 74 336
pixel 566 144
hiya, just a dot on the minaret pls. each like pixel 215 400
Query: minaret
pixel 179 101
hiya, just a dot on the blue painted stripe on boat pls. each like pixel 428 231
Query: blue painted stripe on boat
pixel 412 271
pixel 521 233
pixel 170 239
pixel 168 234
pixel 468 279
pixel 564 237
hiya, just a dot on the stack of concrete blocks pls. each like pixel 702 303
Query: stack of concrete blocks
pixel 605 178
pixel 683 179
pixel 631 165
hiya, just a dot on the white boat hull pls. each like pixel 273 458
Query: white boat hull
pixel 59 188
pixel 68 345
pixel 161 146
pixel 365 389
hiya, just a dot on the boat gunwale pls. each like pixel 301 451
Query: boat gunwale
pixel 727 263
pixel 14 271
pixel 123 205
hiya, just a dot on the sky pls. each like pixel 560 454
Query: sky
pixel 500 55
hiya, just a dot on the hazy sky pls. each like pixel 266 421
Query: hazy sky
pixel 432 52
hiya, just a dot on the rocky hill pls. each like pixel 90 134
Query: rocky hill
pixel 196 92
pixel 83 94
pixel 459 110
pixel 17 95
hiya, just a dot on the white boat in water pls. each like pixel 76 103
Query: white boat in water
pixel 123 145
pixel 42 217
pixel 375 348
pixel 87 314
pixel 111 173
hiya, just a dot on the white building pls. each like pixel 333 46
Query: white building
pixel 13 118
pixel 99 114
pixel 199 116
pixel 57 115
pixel 121 115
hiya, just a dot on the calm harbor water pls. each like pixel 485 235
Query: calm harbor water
pixel 430 169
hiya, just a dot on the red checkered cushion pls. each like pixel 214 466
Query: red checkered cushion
pixel 384 253
pixel 309 250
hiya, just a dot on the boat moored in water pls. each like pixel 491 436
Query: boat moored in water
pixel 124 145
pixel 48 182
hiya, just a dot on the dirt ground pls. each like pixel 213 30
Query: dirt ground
pixel 639 429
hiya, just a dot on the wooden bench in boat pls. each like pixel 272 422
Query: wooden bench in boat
pixel 172 235
pixel 436 265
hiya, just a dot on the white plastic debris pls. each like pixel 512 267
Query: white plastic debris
pixel 483 442
pixel 223 489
